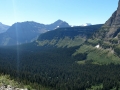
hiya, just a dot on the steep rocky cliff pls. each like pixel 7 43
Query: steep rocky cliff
pixel 113 24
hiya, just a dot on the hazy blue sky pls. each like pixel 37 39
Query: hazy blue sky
pixel 75 12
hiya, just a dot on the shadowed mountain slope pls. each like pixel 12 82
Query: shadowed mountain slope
pixel 3 28
pixel 26 32
pixel 67 37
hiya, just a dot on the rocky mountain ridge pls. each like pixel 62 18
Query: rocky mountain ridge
pixel 67 37
pixel 3 28
pixel 112 25
pixel 104 46
pixel 26 32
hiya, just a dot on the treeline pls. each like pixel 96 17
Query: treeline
pixel 56 68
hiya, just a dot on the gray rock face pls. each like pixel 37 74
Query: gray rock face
pixel 115 18
pixel 113 23
pixel 111 20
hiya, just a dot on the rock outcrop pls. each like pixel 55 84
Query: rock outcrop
pixel 114 20
pixel 113 23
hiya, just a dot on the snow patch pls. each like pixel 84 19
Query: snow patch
pixel 86 24
pixel 97 46
pixel 58 26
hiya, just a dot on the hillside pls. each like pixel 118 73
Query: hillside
pixel 103 47
pixel 26 32
pixel 66 58
pixel 51 68
pixel 3 28
pixel 67 37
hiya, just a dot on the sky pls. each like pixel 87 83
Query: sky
pixel 75 12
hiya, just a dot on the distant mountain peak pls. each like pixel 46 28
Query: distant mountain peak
pixel 59 21
pixel 27 31
pixel 58 24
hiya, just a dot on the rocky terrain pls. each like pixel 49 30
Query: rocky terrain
pixel 9 87
pixel 112 25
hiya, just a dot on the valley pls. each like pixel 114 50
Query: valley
pixel 58 56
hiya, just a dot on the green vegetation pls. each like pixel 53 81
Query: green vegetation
pixel 114 40
pixel 101 33
pixel 65 42
pixel 6 80
pixel 64 59
pixel 117 50
pixel 51 68
pixel 98 55
pixel 67 37
pixel 84 49
pixel 106 45
pixel 94 42
pixel 81 62
pixel 96 87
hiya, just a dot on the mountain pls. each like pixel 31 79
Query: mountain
pixel 114 20
pixel 109 35
pixel 20 33
pixel 67 37
pixel 57 24
pixel 54 64
pixel 112 25
pixel 104 46
pixel 3 28
pixel 26 32
pixel 68 58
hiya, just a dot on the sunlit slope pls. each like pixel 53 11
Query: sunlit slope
pixel 67 37
pixel 97 55
pixel 104 46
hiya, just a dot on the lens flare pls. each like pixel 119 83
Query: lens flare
pixel 16 38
